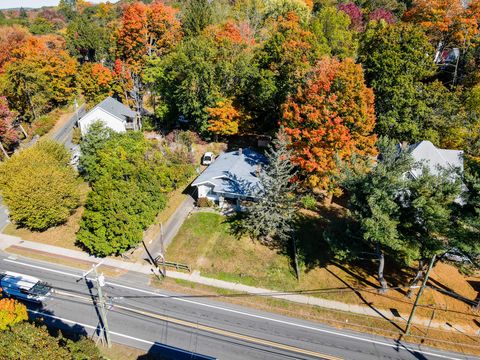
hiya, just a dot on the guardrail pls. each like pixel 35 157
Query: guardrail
pixel 159 261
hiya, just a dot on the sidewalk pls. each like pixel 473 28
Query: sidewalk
pixel 7 241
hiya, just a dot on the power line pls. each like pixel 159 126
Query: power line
pixel 370 328
pixel 372 290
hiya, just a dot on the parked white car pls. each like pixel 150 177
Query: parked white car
pixel 207 158
pixel 75 157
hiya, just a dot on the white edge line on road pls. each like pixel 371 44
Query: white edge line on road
pixel 89 326
pixel 399 346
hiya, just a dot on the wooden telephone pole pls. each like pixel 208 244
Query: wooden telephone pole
pixel 101 303
pixel 420 292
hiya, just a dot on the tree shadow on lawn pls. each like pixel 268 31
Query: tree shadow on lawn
pixel 328 240
pixel 447 291
pixel 321 239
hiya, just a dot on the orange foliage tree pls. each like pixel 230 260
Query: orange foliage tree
pixel 11 313
pixel 331 116
pixel 11 38
pixel 40 75
pixel 285 58
pixel 237 33
pixel 446 20
pixel 224 118
pixel 145 30
pixel 96 82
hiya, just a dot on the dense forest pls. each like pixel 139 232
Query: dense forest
pixel 403 69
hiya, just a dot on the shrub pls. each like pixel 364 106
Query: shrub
pixel 204 202
pixel 309 202
pixel 76 136
pixel 184 137
pixel 148 123
pixel 43 125
pixel 188 138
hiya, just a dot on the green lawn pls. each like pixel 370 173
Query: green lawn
pixel 204 243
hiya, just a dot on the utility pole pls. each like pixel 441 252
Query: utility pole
pixel 162 249
pixel 75 103
pixel 100 279
pixel 99 284
pixel 415 304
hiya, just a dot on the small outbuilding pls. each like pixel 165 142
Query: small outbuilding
pixel 113 114
pixel 233 175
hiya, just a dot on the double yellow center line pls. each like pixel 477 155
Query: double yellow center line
pixel 229 334
pixel 213 330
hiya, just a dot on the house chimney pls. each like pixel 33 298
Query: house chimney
pixel 258 170
pixel 240 151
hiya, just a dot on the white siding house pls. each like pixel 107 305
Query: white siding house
pixel 113 114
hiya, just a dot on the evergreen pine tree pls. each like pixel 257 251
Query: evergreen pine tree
pixel 197 16
pixel 271 218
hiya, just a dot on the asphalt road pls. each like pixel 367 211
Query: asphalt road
pixel 145 317
pixel 64 134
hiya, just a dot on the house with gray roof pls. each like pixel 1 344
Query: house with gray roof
pixel 435 158
pixel 233 175
pixel 113 114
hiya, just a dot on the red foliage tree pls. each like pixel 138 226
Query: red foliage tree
pixel 382 14
pixel 8 135
pixel 355 14
pixel 331 115
pixel 123 78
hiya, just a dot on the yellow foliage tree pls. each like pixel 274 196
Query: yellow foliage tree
pixel 39 187
pixel 224 118
pixel 11 313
